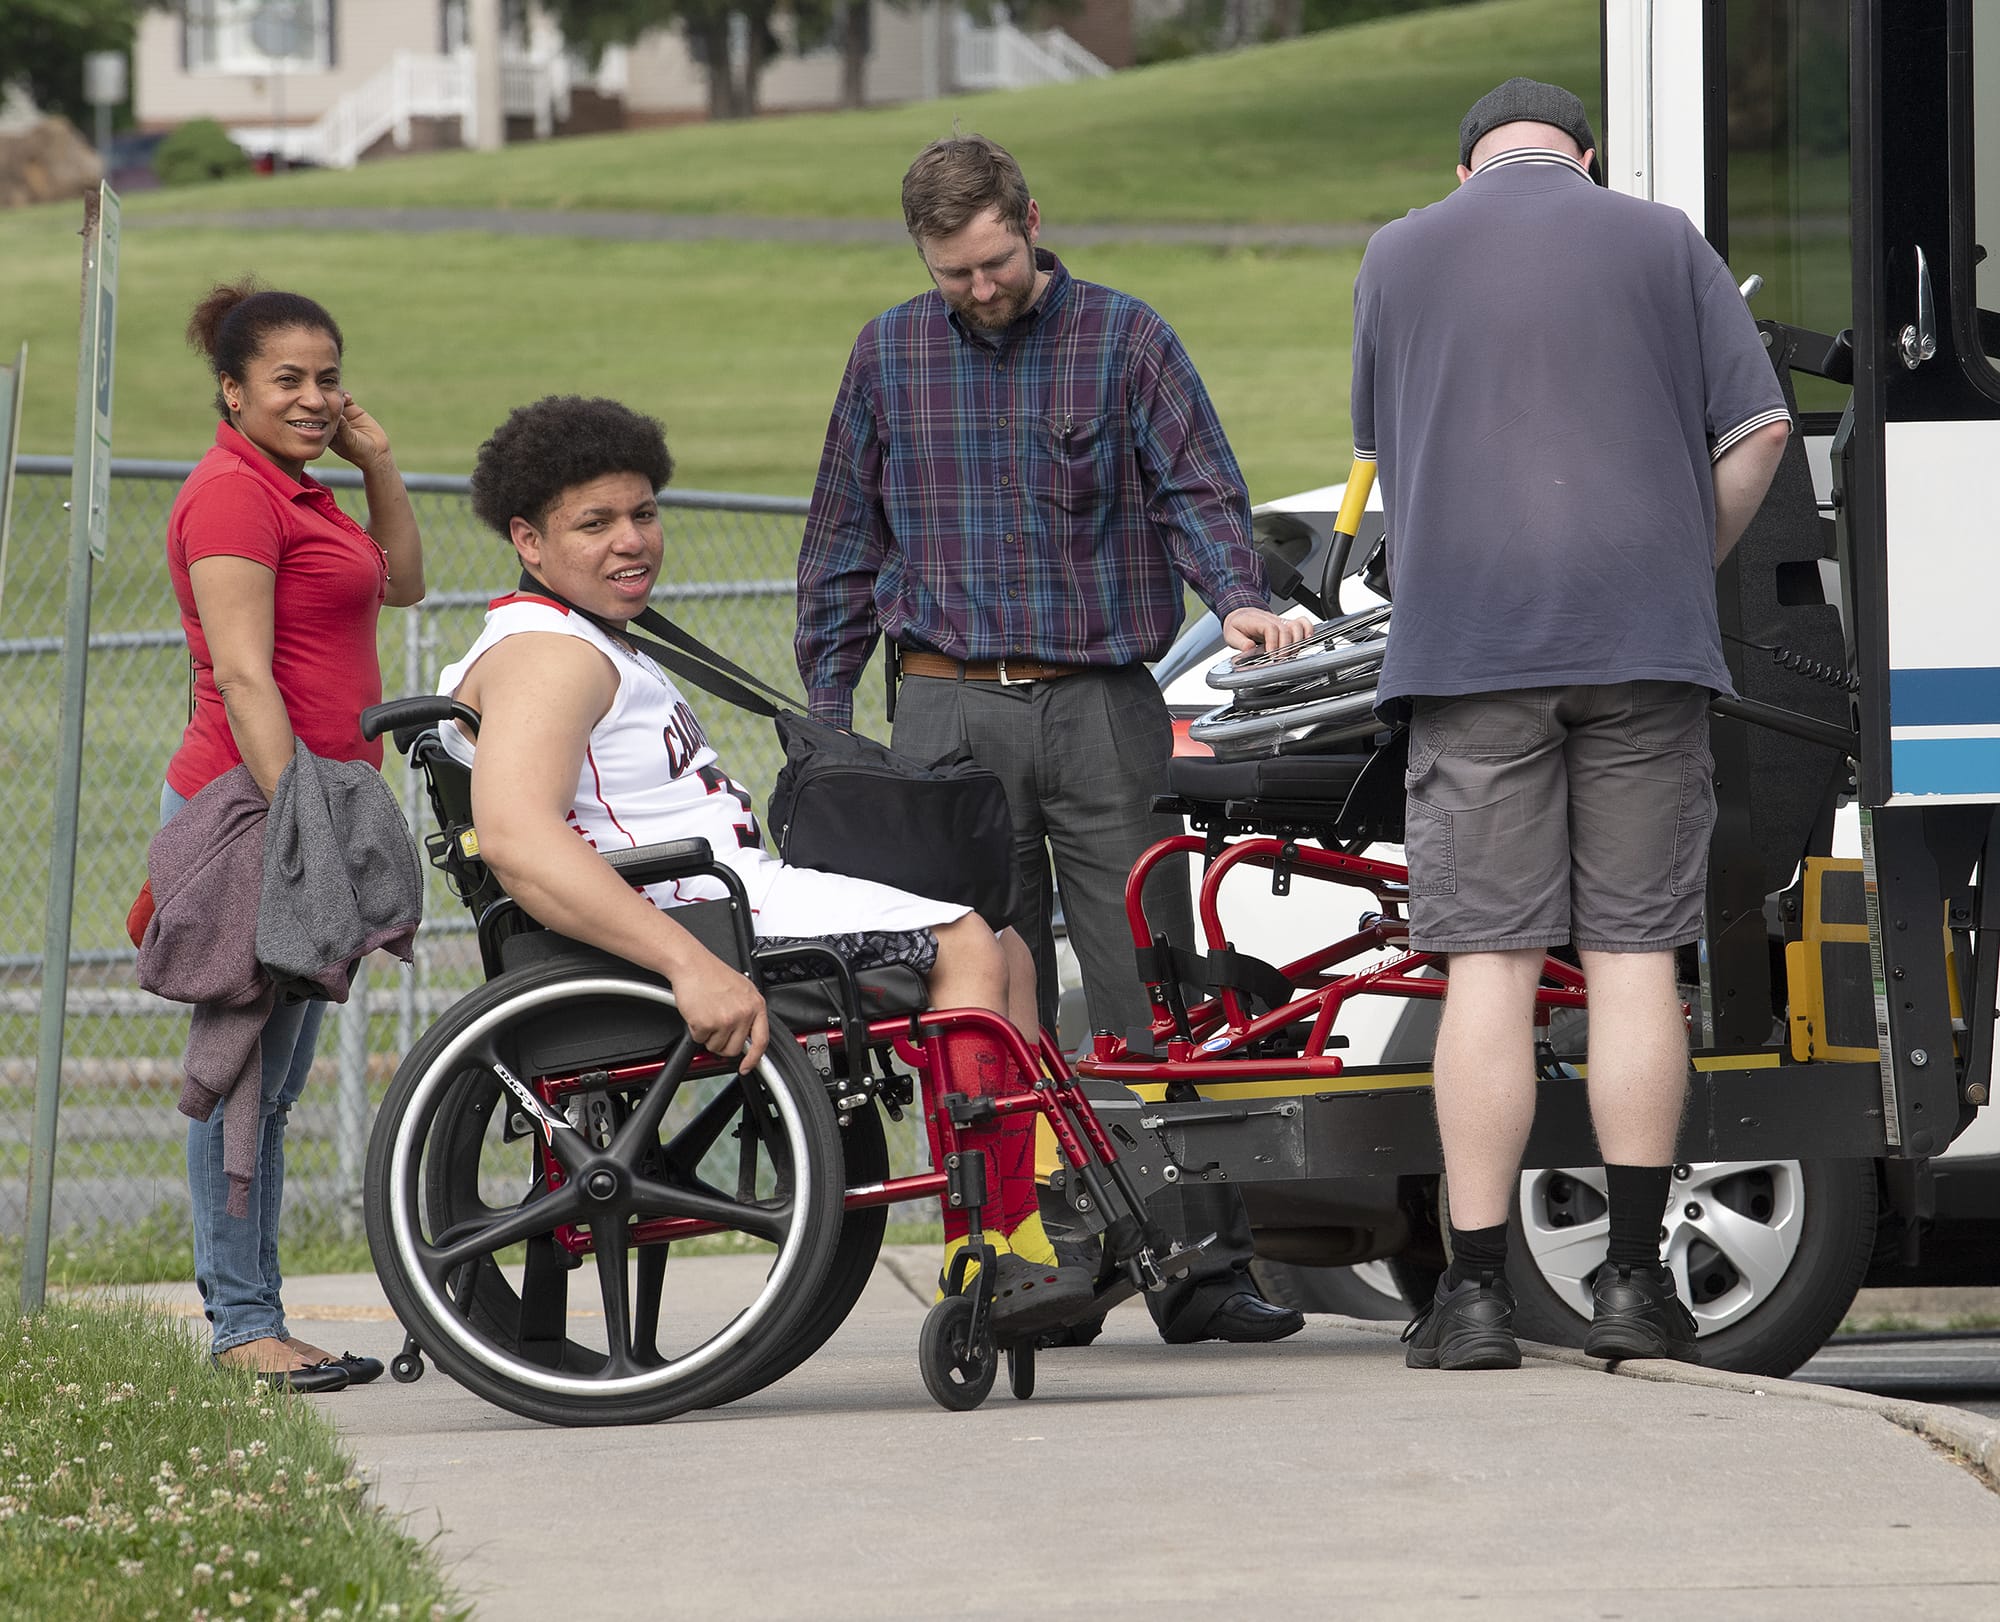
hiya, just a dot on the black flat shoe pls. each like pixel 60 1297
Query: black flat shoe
pixel 309 1380
pixel 360 1370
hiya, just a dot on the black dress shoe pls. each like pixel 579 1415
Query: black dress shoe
pixel 1244 1317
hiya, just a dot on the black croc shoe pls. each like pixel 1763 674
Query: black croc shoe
pixel 1029 1297
pixel 1635 1313
pixel 1470 1326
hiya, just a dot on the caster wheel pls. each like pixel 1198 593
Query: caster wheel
pixel 1021 1369
pixel 406 1368
pixel 957 1374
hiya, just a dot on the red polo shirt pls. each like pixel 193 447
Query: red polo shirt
pixel 331 579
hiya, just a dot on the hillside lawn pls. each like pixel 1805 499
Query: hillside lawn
pixel 738 347
pixel 1356 123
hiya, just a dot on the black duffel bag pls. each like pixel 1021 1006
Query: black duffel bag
pixel 844 803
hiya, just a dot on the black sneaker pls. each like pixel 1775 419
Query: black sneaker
pixel 1469 1326
pixel 1637 1314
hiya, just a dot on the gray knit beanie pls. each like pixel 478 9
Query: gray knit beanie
pixel 1530 100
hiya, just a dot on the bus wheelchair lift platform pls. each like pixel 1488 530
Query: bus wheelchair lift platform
pixel 559 1123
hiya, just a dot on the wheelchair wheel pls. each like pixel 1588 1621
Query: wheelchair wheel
pixel 957 1372
pixel 1021 1369
pixel 865 1154
pixel 486 1215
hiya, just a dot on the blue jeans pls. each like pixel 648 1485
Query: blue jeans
pixel 236 1258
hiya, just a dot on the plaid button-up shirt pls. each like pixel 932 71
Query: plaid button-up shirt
pixel 1039 494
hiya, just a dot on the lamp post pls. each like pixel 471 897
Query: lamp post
pixel 282 29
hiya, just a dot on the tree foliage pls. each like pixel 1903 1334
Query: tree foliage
pixel 43 44
pixel 733 40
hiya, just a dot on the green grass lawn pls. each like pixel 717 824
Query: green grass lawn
pixel 140 1482
pixel 737 348
pixel 1356 123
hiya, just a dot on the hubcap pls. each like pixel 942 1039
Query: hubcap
pixel 1730 1231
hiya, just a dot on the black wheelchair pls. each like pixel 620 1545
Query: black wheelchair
pixel 550 1141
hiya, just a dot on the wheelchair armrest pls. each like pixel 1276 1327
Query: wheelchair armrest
pixel 649 864
pixel 411 718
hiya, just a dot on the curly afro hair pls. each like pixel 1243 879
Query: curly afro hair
pixel 557 443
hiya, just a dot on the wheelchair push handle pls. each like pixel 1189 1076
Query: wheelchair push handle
pixel 411 718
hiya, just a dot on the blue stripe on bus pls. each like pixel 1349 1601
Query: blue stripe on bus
pixel 1946 766
pixel 1944 698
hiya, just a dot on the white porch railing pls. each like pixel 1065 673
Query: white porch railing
pixel 415 86
pixel 1002 57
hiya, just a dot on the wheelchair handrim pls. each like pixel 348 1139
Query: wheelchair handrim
pixel 403 1183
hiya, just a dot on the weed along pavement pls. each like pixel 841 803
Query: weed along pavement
pixel 1313 1478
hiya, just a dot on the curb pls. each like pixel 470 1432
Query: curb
pixel 914 1267
pixel 1971 1438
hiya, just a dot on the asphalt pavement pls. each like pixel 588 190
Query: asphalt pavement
pixel 1314 1478
pixel 1959 1367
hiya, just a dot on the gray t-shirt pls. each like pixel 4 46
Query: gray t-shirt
pixel 1545 371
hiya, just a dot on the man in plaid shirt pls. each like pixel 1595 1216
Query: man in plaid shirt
pixel 1020 471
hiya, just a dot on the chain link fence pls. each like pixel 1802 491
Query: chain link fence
pixel 729 580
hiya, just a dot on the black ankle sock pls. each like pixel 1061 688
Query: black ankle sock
pixel 1475 1251
pixel 1638 1197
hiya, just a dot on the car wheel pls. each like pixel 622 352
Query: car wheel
pixel 1364 1291
pixel 1768 1254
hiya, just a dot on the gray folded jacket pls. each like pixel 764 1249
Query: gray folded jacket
pixel 252 902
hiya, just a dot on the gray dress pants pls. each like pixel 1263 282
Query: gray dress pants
pixel 1081 758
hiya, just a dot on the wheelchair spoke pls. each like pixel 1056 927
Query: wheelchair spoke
pixel 612 1247
pixel 652 1270
pixel 642 1128
pixel 563 1144
pixel 476 1239
pixel 770 1220
pixel 685 1149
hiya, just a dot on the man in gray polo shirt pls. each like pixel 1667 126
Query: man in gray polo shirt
pixel 1574 420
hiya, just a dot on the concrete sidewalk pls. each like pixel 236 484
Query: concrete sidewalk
pixel 1314 1478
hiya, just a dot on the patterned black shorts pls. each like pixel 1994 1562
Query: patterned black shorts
pixel 870 949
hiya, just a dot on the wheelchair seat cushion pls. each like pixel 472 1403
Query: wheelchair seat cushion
pixel 804 1005
pixel 1292 779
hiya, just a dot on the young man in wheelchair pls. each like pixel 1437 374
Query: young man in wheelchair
pixel 585 744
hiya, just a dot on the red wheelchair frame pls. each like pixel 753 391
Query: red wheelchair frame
pixel 443 1276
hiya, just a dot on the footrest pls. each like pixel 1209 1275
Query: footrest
pixel 1156 1269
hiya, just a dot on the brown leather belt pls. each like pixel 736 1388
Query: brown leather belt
pixel 1007 672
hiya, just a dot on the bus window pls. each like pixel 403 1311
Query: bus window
pixel 1785 186
pixel 1983 169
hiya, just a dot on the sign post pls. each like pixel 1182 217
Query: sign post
pixel 11 383
pixel 104 89
pixel 90 495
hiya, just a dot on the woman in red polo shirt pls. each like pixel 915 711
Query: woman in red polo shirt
pixel 279 593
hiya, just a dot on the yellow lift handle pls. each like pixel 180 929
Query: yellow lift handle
pixel 1360 480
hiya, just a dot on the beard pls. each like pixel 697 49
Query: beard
pixel 997 314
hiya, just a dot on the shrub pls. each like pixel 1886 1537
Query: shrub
pixel 198 150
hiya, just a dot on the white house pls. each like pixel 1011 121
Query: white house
pixel 331 81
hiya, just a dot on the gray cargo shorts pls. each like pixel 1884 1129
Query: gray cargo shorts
pixel 1555 814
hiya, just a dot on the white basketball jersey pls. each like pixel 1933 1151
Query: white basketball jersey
pixel 649 774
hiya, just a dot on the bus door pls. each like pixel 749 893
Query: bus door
pixel 1920 513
